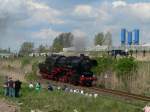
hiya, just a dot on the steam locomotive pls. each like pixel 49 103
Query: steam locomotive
pixel 73 69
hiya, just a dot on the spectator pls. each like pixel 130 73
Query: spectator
pixel 144 52
pixel 50 88
pixel 38 86
pixel 95 95
pixel 67 89
pixel 6 89
pixel 11 86
pixel 54 86
pixel 59 88
pixel 31 85
pixel 17 88
pixel 82 92
pixel 64 87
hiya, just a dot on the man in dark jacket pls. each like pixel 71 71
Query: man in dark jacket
pixel 17 88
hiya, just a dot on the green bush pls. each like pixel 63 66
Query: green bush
pixel 125 66
pixel 104 64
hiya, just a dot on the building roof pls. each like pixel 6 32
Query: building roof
pixel 5 54
pixel 146 45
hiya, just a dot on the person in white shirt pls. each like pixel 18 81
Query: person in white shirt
pixel 31 85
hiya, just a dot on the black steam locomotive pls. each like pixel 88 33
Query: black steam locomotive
pixel 73 69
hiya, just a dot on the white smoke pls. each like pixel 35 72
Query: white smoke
pixel 79 40
pixel 10 13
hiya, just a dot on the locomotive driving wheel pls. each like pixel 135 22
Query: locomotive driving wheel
pixel 74 79
pixel 57 73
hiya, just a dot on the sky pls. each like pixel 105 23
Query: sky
pixel 40 21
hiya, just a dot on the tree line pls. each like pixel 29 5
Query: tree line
pixel 64 40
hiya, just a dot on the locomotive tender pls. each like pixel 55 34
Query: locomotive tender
pixel 73 69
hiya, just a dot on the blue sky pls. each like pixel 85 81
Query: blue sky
pixel 40 21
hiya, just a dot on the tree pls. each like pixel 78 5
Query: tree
pixel 62 41
pixel 41 49
pixel 99 39
pixel 108 39
pixel 26 48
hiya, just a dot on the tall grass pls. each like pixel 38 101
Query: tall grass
pixel 132 76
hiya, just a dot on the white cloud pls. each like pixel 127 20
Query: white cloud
pixel 44 13
pixel 119 3
pixel 41 12
pixel 120 12
pixel 140 10
pixel 10 5
pixel 83 10
pixel 29 12
pixel 45 34
pixel 35 5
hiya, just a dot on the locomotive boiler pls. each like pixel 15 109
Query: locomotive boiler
pixel 73 69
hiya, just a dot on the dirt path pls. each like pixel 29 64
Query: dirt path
pixel 6 107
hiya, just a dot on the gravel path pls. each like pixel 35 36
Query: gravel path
pixel 5 107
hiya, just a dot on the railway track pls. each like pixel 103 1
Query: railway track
pixel 103 90
pixel 122 94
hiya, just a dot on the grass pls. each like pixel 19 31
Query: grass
pixel 32 76
pixel 59 101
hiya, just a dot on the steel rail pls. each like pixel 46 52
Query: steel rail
pixel 102 90
pixel 122 93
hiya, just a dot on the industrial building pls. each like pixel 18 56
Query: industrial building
pixel 5 55
pixel 131 40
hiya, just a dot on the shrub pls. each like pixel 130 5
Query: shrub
pixel 104 64
pixel 125 66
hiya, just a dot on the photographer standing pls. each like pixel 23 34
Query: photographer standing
pixel 17 88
